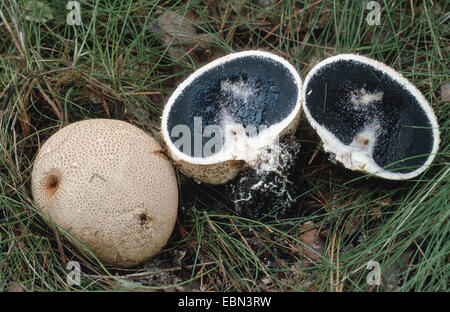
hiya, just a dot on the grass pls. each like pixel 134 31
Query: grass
pixel 118 64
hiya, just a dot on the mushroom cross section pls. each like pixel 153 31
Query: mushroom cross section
pixel 369 117
pixel 229 110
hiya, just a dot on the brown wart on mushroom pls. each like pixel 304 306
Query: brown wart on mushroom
pixel 370 118
pixel 105 182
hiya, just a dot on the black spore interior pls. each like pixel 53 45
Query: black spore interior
pixel 404 137
pixel 253 90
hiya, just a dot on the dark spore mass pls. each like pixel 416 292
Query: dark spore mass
pixel 269 195
pixel 252 90
pixel 405 138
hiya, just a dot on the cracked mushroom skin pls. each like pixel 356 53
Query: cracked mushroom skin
pixel 107 183
pixel 226 112
pixel 370 118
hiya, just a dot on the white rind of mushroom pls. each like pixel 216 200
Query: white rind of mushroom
pixel 106 183
pixel 227 97
pixel 370 118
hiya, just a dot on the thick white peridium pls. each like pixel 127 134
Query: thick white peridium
pixel 237 145
pixel 357 156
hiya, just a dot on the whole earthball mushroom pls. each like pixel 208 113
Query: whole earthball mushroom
pixel 107 183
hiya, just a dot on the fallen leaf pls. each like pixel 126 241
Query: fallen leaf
pixel 15 287
pixel 178 32
pixel 38 11
pixel 314 243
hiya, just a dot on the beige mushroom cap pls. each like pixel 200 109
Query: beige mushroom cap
pixel 107 183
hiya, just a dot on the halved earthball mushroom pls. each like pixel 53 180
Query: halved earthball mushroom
pixel 224 114
pixel 370 118
pixel 106 183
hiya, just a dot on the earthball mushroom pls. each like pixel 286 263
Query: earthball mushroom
pixel 107 183
pixel 229 111
pixel 370 118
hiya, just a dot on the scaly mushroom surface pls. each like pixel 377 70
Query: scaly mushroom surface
pixel 107 183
